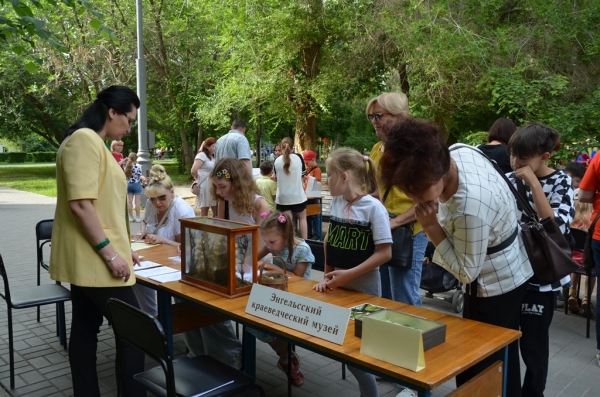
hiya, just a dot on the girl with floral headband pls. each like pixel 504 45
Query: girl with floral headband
pixel 233 183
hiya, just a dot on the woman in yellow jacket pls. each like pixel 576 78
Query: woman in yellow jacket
pixel 90 238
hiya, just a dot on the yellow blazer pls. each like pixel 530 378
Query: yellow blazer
pixel 86 169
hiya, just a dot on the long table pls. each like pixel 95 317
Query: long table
pixel 467 342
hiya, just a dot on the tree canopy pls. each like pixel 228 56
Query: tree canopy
pixel 304 68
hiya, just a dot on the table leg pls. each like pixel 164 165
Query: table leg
pixel 249 354
pixel 165 316
pixel 505 374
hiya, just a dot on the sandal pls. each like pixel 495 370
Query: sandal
pixel 296 378
pixel 586 307
pixel 573 305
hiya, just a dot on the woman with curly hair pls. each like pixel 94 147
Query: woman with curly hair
pixel 233 183
pixel 469 213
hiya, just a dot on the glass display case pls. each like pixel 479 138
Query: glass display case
pixel 219 255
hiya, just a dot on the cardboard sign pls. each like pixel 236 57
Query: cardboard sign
pixel 310 316
pixel 393 343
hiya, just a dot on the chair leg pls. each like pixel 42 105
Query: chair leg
pixel 61 324
pixel 11 347
pixel 289 369
pixel 344 371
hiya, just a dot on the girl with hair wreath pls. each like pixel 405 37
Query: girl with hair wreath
pixel 231 182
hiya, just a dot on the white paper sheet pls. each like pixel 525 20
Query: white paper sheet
pixel 175 258
pixel 165 278
pixel 146 265
pixel 156 271
pixel 137 246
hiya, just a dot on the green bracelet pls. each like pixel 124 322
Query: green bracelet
pixel 102 244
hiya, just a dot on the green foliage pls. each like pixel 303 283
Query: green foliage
pixel 13 157
pixel 43 157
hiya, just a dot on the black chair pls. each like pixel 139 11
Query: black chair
pixel 26 298
pixel 580 237
pixel 172 378
pixel 43 236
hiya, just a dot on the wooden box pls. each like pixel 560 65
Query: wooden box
pixel 219 255
pixel 434 333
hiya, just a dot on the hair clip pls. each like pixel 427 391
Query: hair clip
pixel 223 174
pixel 282 219
pixel 264 214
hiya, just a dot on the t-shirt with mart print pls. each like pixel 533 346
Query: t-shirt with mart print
pixel 354 231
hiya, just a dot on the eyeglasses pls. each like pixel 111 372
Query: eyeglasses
pixel 130 120
pixel 375 117
pixel 159 198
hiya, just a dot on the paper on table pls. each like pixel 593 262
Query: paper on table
pixel 136 246
pixel 146 265
pixel 175 258
pixel 155 271
pixel 165 278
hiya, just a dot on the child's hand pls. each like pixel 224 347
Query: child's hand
pixel 321 286
pixel 526 174
pixel 271 267
pixel 337 278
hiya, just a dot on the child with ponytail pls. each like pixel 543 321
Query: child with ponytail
pixel 353 263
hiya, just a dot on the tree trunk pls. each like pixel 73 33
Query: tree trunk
pixel 306 127
pixel 199 138
pixel 259 129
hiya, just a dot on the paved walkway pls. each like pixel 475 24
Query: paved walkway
pixel 43 368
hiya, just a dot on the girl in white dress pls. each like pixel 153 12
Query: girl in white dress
pixel 203 165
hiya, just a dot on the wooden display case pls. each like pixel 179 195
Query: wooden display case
pixel 219 255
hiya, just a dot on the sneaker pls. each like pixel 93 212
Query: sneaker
pixel 406 393
pixel 598 357
pixel 573 305
pixel 138 220
pixel 296 378
pixel 130 219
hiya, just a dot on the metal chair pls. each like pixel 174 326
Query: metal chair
pixel 580 237
pixel 43 236
pixel 26 298
pixel 172 378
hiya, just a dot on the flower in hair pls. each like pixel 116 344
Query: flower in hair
pixel 281 219
pixel 223 174
pixel 264 214
pixel 366 158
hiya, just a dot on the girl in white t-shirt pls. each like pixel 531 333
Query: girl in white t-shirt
pixel 359 238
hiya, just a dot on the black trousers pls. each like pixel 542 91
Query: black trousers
pixel 89 307
pixel 537 311
pixel 504 311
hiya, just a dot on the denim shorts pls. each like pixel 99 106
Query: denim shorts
pixel 134 188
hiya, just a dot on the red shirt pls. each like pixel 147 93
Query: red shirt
pixel 117 156
pixel 591 182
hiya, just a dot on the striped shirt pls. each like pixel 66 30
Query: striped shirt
pixel 481 214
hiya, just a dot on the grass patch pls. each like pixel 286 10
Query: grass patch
pixel 40 180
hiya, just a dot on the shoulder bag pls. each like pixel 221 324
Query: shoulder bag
pixel 588 254
pixel 402 243
pixel 547 248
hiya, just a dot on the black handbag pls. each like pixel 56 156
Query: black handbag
pixel 588 254
pixel 547 248
pixel 402 243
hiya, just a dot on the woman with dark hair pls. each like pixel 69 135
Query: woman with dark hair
pixel 475 232
pixel 90 239
pixel 498 138
pixel 203 165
